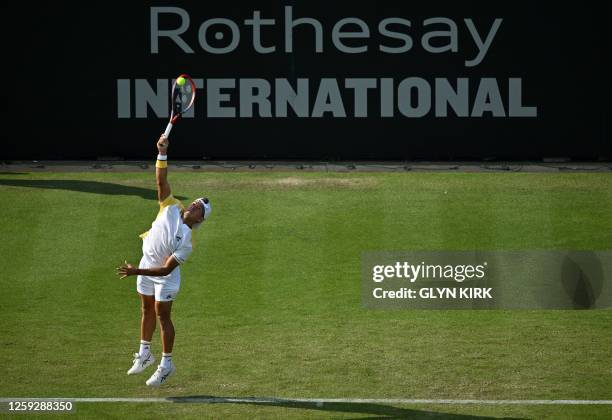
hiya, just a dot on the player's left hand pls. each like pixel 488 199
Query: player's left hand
pixel 126 270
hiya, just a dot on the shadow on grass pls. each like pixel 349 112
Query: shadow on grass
pixel 95 187
pixel 381 411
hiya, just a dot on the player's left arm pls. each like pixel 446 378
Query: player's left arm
pixel 130 270
pixel 161 169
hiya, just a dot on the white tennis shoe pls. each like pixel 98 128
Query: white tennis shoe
pixel 160 375
pixel 141 363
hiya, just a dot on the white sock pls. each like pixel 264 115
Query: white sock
pixel 145 348
pixel 166 361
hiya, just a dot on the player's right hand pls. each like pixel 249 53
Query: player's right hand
pixel 126 270
pixel 162 145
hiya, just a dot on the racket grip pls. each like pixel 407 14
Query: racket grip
pixel 168 129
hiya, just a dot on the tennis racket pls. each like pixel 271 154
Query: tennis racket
pixel 183 95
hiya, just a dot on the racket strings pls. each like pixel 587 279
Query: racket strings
pixel 182 97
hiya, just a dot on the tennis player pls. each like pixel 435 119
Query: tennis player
pixel 165 247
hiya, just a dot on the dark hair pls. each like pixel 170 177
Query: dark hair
pixel 205 200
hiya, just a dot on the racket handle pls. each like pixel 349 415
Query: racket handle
pixel 168 129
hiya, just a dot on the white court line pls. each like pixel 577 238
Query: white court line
pixel 317 401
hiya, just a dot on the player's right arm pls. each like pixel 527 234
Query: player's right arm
pixel 161 170
pixel 132 270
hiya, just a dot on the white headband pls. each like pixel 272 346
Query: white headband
pixel 206 206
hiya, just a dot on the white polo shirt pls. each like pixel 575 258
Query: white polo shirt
pixel 168 236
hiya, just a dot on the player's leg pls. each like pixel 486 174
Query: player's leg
pixel 144 357
pixel 149 318
pixel 163 311
pixel 164 295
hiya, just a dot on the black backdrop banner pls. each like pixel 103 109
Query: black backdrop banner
pixel 322 80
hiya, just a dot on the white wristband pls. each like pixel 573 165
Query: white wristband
pixel 162 157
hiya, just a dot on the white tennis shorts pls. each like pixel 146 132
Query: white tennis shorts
pixel 164 289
